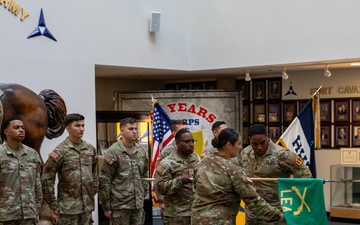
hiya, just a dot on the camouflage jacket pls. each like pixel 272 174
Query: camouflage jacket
pixel 121 186
pixel 178 197
pixel 163 154
pixel 20 184
pixel 167 150
pixel 276 162
pixel 219 185
pixel 78 178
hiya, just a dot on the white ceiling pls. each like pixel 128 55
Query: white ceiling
pixel 106 71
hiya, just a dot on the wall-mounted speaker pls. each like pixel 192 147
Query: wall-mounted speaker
pixel 155 22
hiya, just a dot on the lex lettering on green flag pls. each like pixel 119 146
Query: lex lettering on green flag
pixel 302 200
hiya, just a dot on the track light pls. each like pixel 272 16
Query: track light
pixel 247 76
pixel 285 76
pixel 327 72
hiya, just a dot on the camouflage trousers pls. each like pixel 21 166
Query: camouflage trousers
pixel 77 219
pixel 128 217
pixel 180 220
pixel 18 222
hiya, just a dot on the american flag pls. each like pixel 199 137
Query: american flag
pixel 162 136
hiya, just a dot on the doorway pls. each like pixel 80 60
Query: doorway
pixel 108 132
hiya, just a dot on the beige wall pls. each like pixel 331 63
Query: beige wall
pixel 105 88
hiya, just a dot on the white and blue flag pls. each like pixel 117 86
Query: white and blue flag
pixel 299 136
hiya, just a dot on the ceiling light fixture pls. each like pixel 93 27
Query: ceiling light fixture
pixel 285 76
pixel 247 76
pixel 327 72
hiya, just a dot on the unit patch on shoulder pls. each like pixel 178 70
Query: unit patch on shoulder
pixel 107 159
pixel 160 169
pixel 54 155
pixel 298 161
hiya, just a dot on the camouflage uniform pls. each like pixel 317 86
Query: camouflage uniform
pixel 276 162
pixel 20 185
pixel 121 187
pixel 167 150
pixel 219 185
pixel 209 150
pixel 78 179
pixel 178 196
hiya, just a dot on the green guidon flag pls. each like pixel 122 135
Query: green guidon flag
pixel 302 200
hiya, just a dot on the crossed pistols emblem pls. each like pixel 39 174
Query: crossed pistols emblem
pixel 290 200
pixel 302 198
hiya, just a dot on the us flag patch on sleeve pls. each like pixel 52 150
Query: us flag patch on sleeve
pixel 53 155
pixel 107 159
pixel 159 169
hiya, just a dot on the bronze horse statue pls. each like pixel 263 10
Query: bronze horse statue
pixel 43 114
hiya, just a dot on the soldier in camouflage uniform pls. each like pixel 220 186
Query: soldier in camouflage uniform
pixel 174 177
pixel 263 158
pixel 216 128
pixel 20 184
pixel 220 184
pixel 75 162
pixel 175 126
pixel 122 189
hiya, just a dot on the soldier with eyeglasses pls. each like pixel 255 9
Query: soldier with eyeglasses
pixel 174 176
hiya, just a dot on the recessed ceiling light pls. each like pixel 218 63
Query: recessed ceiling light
pixel 355 64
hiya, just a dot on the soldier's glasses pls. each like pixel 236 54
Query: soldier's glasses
pixel 189 141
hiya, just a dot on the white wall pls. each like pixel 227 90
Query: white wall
pixel 242 33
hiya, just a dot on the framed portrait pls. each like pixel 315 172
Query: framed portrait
pixel 356 136
pixel 342 135
pixel 245 136
pixel 274 112
pixel 184 86
pixel 197 86
pixel 259 90
pixel 341 110
pixel 274 89
pixel 246 114
pixel 356 110
pixel 244 89
pixel 325 136
pixel 210 85
pixel 274 133
pixel 290 111
pixel 285 127
pixel 259 113
pixel 302 104
pixel 325 111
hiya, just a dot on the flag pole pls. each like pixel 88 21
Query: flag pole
pixel 317 90
pixel 276 179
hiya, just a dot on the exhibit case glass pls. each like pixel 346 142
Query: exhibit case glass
pixel 345 191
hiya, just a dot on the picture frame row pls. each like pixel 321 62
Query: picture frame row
pixel 341 110
pixel 259 90
pixel 270 112
pixel 331 136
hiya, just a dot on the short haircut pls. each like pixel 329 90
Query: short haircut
pixel 179 133
pixel 72 117
pixel 5 125
pixel 257 129
pixel 225 136
pixel 174 123
pixel 125 121
pixel 217 125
